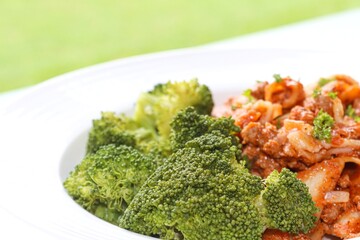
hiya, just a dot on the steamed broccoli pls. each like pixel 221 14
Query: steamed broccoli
pixel 111 129
pixel 203 192
pixel 105 182
pixel 200 192
pixel 149 127
pixel 156 108
pixel 188 124
pixel 119 129
pixel 286 203
pixel 122 151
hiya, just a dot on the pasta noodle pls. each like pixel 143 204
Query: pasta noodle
pixel 314 133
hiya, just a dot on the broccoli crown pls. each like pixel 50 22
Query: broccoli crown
pixel 156 108
pixel 323 124
pixel 111 129
pixel 287 203
pixel 188 124
pixel 105 182
pixel 119 129
pixel 200 192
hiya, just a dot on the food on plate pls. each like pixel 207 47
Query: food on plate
pixel 153 112
pixel 106 181
pixel 313 131
pixel 278 161
pixel 204 191
pixel 122 151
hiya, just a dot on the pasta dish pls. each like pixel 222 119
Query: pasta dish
pixel 279 161
pixel 314 131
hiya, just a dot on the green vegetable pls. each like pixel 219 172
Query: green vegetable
pixel 350 111
pixel 119 129
pixel 323 81
pixel 316 93
pixel 105 182
pixel 332 95
pixel 203 192
pixel 323 124
pixel 277 78
pixel 150 126
pixel 247 93
pixel 111 128
pixel 188 124
pixel 287 203
pixel 122 151
pixel 156 108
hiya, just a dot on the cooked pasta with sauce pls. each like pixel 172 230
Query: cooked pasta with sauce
pixel 312 131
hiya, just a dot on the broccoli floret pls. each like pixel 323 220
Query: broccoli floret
pixel 111 129
pixel 149 127
pixel 119 129
pixel 200 192
pixel 156 108
pixel 188 124
pixel 147 141
pixel 286 203
pixel 323 124
pixel 106 181
pixel 203 192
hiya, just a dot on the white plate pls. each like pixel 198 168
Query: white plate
pixel 43 134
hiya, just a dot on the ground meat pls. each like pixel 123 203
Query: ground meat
pixel 258 134
pixel 268 148
pixel 244 117
pixel 342 131
pixel 258 91
pixel 356 201
pixel 344 181
pixel 302 114
pixel 261 164
pixel 356 106
pixel 273 234
pixel 355 195
pixel 331 212
pixel 272 147
pixel 294 164
pixel 321 102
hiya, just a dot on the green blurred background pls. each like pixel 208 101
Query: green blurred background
pixel 40 39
